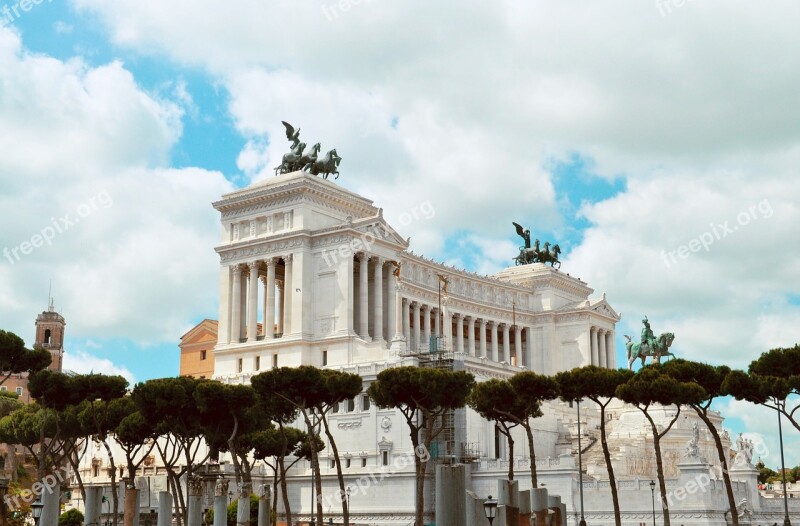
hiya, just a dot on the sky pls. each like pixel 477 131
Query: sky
pixel 658 142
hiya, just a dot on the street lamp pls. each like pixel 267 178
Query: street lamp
pixel 490 509
pixel 786 521
pixel 580 464
pixel 653 493
pixel 347 492
pixel 36 511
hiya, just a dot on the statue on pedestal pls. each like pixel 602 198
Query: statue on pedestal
pixel 649 345
pixel 535 254
pixel 744 455
pixel 299 158
pixel 692 449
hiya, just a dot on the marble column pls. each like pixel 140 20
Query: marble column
pixel 483 337
pixel 459 321
pixel 601 340
pixel 611 350
pixel 594 357
pixel 263 280
pixel 392 307
pixel 494 356
pixel 281 298
pixel 236 304
pixel 363 292
pixel 243 304
pixel 378 295
pixel 506 343
pixel 518 352
pixel 252 303
pixel 407 322
pixel 415 320
pixel 269 315
pixel 288 291
pixel 448 329
pixel 471 335
pixel 426 326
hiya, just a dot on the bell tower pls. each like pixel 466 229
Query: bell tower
pixel 50 335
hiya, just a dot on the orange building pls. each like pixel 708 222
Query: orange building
pixel 197 350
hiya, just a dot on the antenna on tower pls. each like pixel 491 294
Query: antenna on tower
pixel 50 297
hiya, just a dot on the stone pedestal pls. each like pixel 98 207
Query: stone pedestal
pixel 509 497
pixel 195 511
pixel 94 498
pixel 164 508
pixel 264 516
pixel 243 506
pixel 131 506
pixel 450 490
pixel 749 475
pixel 51 496
pixel 539 506
pixel 693 484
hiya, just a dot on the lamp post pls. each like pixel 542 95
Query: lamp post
pixel 36 511
pixel 347 494
pixel 580 464
pixel 490 509
pixel 786 521
pixel 653 493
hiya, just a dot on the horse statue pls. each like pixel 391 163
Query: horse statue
pixel 552 256
pixel 326 166
pixel 310 156
pixel 655 349
pixel 291 160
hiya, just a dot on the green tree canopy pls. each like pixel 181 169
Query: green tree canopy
pixel 428 393
pixel 15 358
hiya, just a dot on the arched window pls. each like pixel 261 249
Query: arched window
pixel 47 336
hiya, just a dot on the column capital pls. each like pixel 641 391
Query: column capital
pixel 271 262
pixel 237 267
pixel 287 258
pixel 458 316
pixel 379 260
pixel 600 331
pixel 483 321
pixel 361 256
pixel 592 329
pixel 254 265
pixel 426 307
pixel 279 284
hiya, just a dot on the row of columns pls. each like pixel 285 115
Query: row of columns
pixel 420 319
pixel 245 294
pixel 373 322
pixel 602 346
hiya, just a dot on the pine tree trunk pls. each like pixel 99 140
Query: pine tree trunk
pixel 662 486
pixel 723 462
pixel 532 450
pixel 612 481
pixel 510 454
pixel 339 475
pixel 286 506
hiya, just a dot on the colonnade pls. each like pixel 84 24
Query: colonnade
pixel 275 303
pixel 602 348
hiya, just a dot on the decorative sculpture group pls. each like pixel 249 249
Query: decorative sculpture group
pixel 744 453
pixel 649 345
pixel 299 158
pixel 535 254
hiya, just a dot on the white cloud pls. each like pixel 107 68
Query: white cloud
pixel 129 240
pixel 82 362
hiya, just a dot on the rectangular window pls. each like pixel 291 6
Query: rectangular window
pixel 324 358
pixel 335 408
pixel 366 403
pixel 333 464
pixel 350 405
pixel 240 365
pixel 258 363
pixel 4 388
pixel 274 361
pixel 19 391
pixel 347 463
pixel 202 355
pixel 385 458
pixel 363 462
